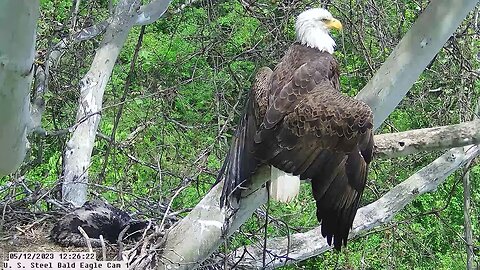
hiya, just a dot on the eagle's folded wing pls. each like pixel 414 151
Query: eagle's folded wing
pixel 327 138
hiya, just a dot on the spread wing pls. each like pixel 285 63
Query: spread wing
pixel 328 138
pixel 241 162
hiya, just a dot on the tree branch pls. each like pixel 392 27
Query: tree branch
pixel 206 226
pixel 412 55
pixel 79 148
pixel 467 220
pixel 152 11
pixel 438 138
pixel 126 90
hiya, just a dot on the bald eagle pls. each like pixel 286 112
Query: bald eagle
pixel 299 123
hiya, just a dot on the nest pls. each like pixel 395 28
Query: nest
pixel 39 223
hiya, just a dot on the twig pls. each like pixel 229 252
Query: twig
pixel 170 204
pixel 120 242
pixel 104 249
pixel 87 239
pixel 37 222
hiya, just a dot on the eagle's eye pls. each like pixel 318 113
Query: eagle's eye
pixel 324 20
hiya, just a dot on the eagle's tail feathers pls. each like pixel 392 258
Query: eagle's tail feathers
pixel 229 174
pixel 235 170
pixel 337 206
pixel 284 187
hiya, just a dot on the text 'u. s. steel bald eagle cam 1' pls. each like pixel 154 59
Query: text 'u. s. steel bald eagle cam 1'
pixel 298 122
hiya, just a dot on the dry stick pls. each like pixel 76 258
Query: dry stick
pixel 143 253
pixel 159 171
pixel 170 204
pixel 119 241
pixel 126 90
pixel 104 248
pixel 132 252
pixel 37 222
pixel 87 239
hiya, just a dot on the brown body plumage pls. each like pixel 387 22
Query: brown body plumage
pixel 298 121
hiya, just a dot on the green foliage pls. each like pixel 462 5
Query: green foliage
pixel 188 90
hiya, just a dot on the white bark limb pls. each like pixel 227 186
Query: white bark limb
pixel 395 77
pixel 92 86
pixel 152 11
pixel 18 20
pixel 428 139
pixel 205 226
pixel 311 243
pixel 412 55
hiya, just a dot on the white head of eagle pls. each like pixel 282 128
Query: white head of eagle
pixel 312 29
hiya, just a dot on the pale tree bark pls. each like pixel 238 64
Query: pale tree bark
pixel 207 229
pixel 18 20
pixel 152 11
pixel 412 55
pixel 41 75
pixel 383 92
pixel 79 148
pixel 393 145
pixel 301 246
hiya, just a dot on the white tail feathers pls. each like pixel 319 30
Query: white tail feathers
pixel 284 187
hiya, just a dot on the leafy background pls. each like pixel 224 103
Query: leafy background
pixel 188 91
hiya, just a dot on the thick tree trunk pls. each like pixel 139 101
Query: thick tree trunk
pixel 382 93
pixel 412 55
pixel 79 148
pixel 18 25
pixel 197 232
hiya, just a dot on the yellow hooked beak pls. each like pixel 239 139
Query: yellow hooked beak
pixel 334 24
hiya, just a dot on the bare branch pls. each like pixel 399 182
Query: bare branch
pixel 82 35
pixel 438 138
pixel 79 148
pixel 412 55
pixel 126 90
pixel 467 220
pixel 152 11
